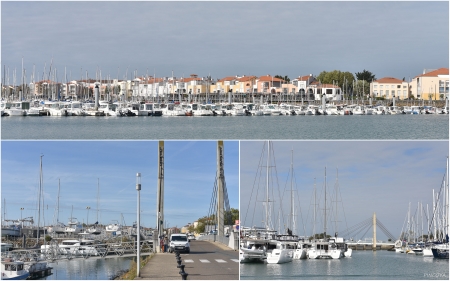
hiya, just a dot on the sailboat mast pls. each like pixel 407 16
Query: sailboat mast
pixel 446 201
pixel 98 194
pixel 267 185
pixel 292 195
pixel 314 224
pixel 41 182
pixel 57 206
pixel 325 207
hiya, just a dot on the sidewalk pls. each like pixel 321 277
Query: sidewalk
pixel 162 266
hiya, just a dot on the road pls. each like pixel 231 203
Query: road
pixel 211 261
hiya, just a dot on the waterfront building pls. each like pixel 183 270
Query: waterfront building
pixel 389 88
pixel 302 83
pixel 431 84
pixel 331 92
pixel 269 84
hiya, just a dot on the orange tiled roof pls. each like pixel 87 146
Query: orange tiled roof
pixel 389 80
pixel 246 78
pixel 327 86
pixel 228 78
pixel 304 78
pixel 440 71
pixel 270 78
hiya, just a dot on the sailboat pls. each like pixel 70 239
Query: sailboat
pixel 73 226
pixel 441 250
pixel 58 227
pixel 325 248
pixel 262 244
pixel 95 229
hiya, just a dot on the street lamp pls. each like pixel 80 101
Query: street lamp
pixel 138 231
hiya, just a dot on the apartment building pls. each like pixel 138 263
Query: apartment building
pixel 390 87
pixel 431 85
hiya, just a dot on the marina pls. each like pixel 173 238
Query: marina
pixel 356 127
pixel 364 265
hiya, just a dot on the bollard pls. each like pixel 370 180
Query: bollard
pixel 179 261
pixel 182 268
pixel 184 276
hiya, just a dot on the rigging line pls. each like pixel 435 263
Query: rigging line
pixel 279 194
pixel 299 205
pixel 251 194
pixel 437 199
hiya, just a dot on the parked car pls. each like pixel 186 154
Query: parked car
pixel 191 237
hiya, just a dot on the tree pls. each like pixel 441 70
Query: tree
pixel 365 75
pixel 285 78
pixel 343 79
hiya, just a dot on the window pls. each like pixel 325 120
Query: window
pixel 404 94
pixel 381 86
pixel 375 86
pixel 392 86
pixel 398 86
pixel 381 92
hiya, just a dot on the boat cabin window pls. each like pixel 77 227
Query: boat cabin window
pixel 13 267
pixel 195 107
pixel 149 106
pixel 68 243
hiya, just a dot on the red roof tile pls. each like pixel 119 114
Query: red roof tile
pixel 389 80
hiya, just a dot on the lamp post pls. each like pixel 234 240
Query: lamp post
pixel 138 233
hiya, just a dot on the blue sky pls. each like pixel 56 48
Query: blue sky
pixel 373 176
pixel 397 39
pixel 190 169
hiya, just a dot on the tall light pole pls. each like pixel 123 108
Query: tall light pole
pixel 138 232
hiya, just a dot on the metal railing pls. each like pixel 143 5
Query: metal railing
pixel 54 251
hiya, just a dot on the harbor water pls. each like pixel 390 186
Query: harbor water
pixel 88 269
pixel 367 265
pixel 354 127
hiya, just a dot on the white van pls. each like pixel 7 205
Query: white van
pixel 179 242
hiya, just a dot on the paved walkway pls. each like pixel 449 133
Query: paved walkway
pixel 162 266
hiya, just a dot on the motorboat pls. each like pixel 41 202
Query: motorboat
pixel 173 109
pixel 13 270
pixel 17 108
pixel 109 109
pixel 74 247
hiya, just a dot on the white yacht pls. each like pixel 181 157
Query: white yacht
pixel 324 250
pixel 274 110
pixel 74 247
pixel 280 253
pixel 17 108
pixel 173 109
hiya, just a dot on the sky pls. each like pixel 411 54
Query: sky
pixel 190 171
pixel 119 39
pixel 372 176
